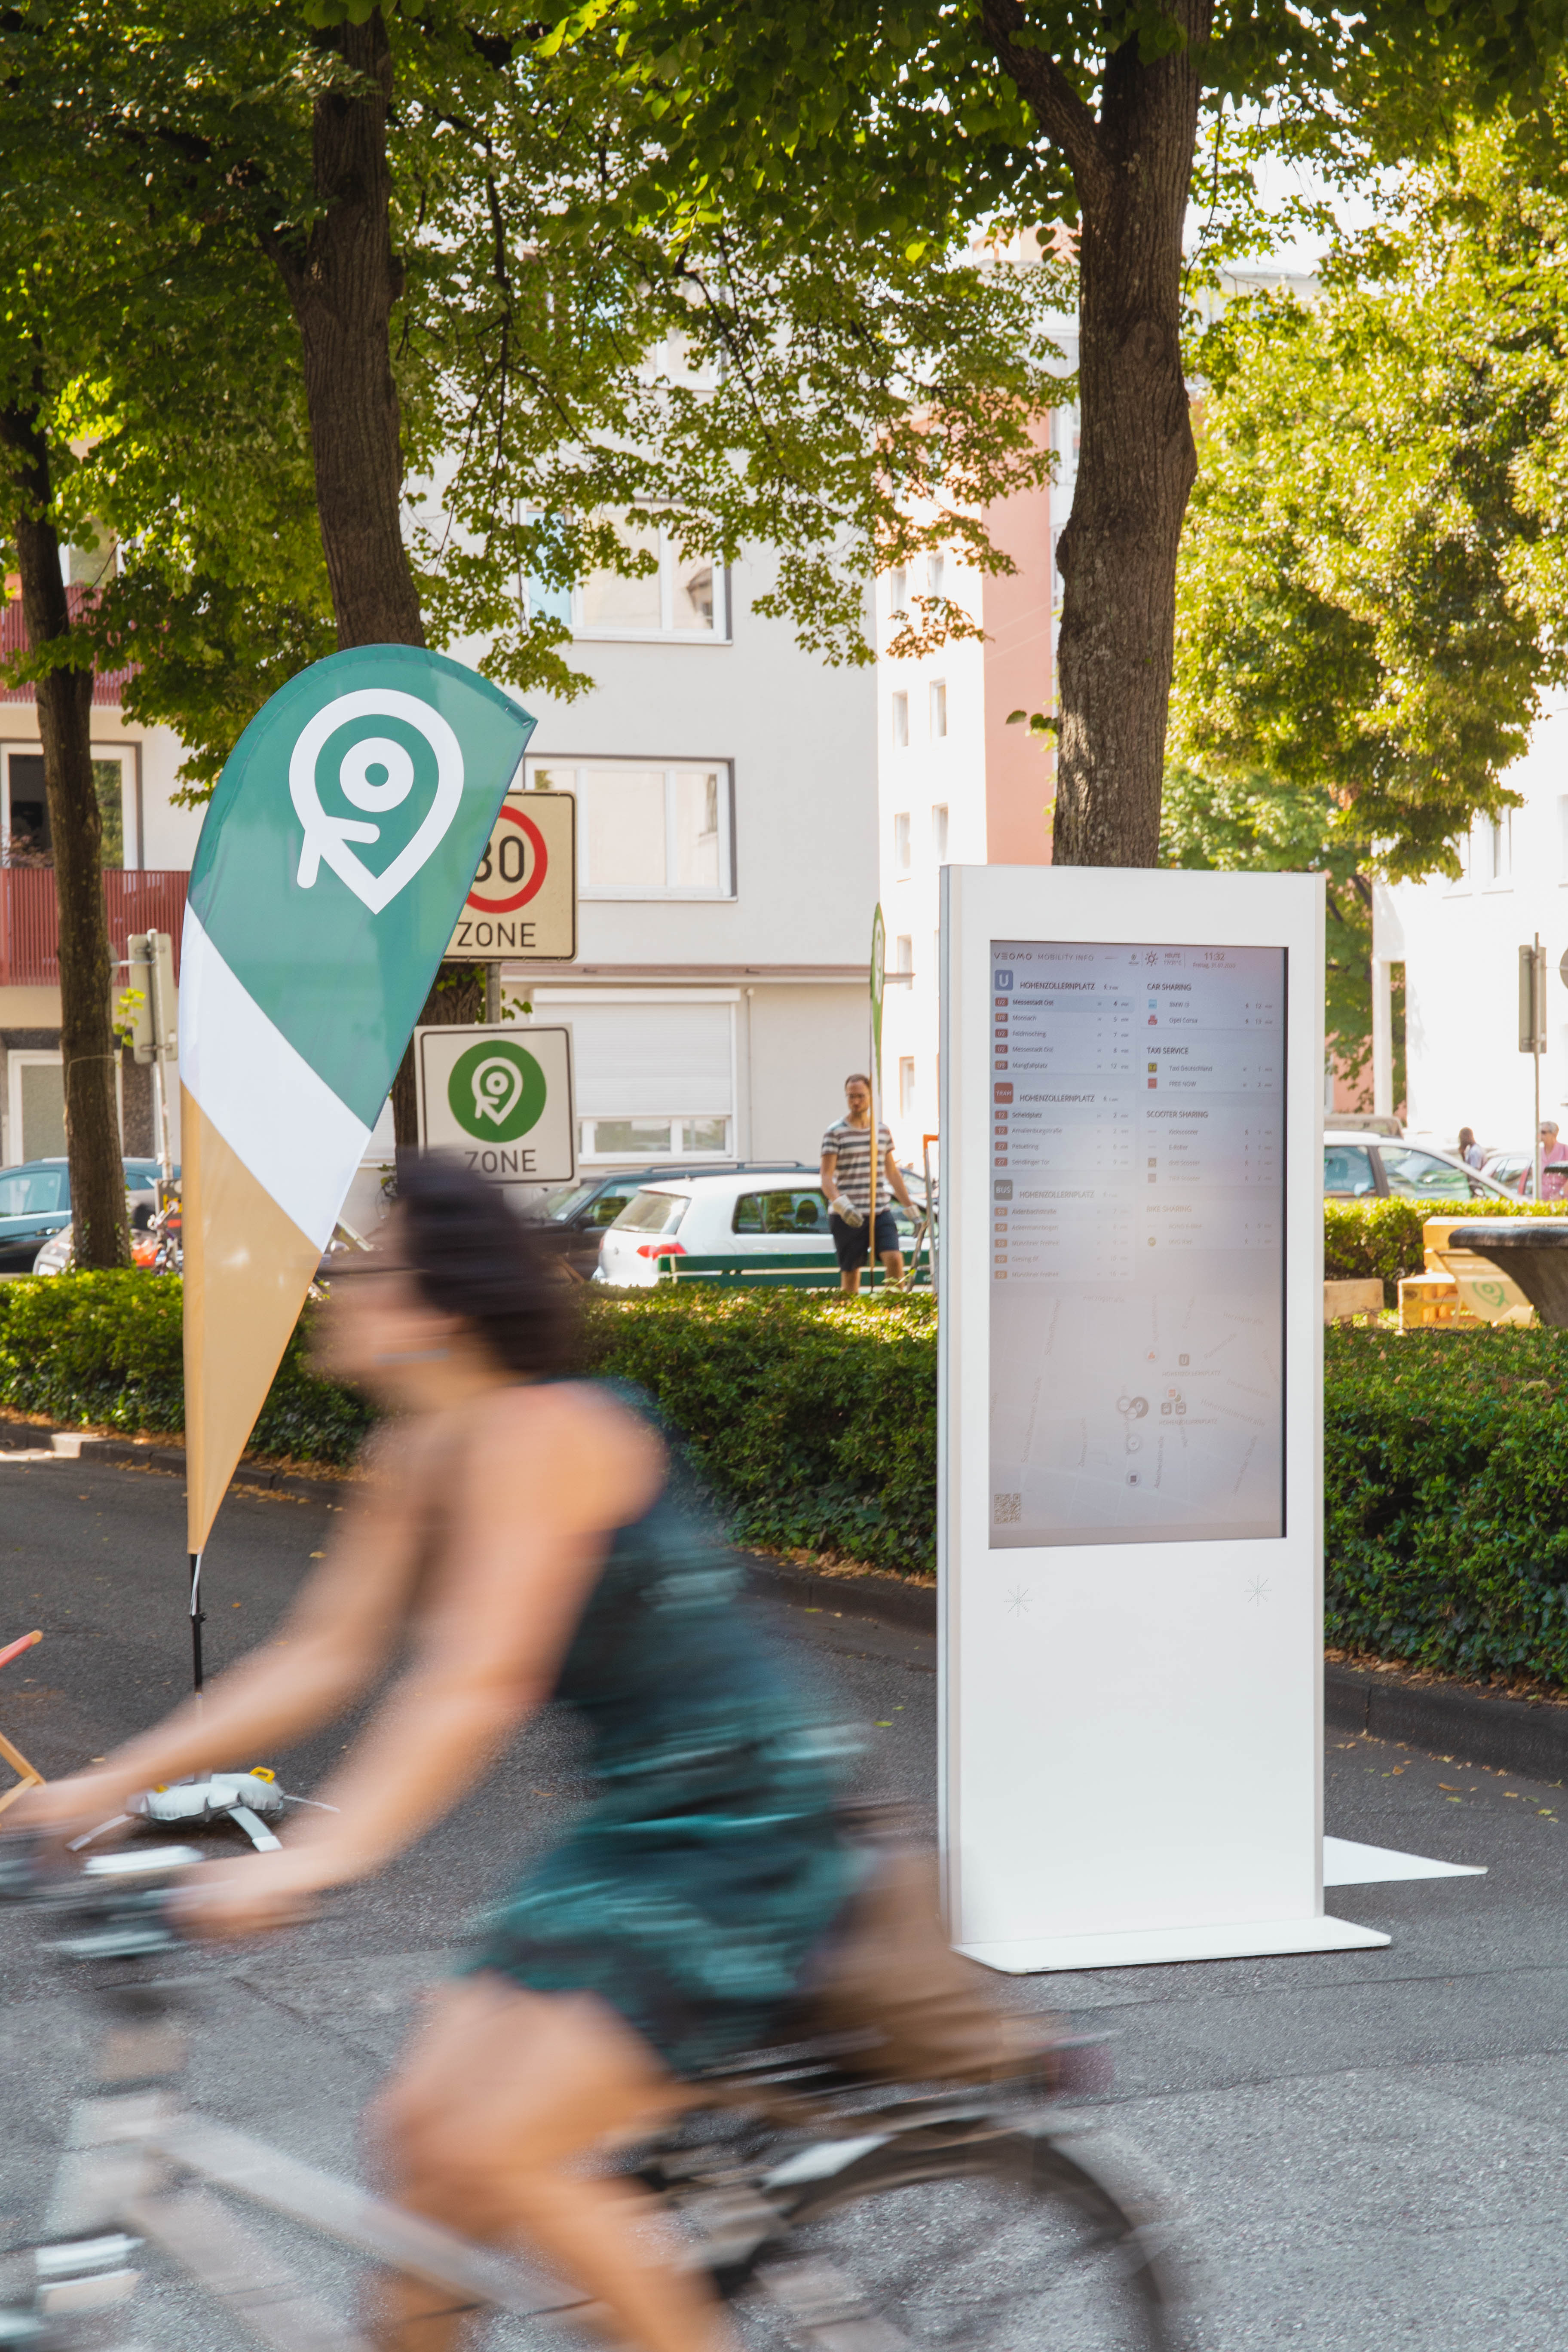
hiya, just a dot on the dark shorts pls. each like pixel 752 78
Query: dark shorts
pixel 853 1243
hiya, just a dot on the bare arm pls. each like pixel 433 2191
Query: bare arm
pixel 331 1646
pixel 512 1588
pixel 829 1174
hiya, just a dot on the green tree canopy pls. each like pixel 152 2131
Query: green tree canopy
pixel 920 120
pixel 1377 555
pixel 567 374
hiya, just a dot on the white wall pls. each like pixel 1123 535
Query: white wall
pixel 914 781
pixel 1459 944
pixel 801 737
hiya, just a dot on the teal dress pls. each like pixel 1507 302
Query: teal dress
pixel 690 1895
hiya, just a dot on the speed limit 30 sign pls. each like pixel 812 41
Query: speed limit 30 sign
pixel 523 904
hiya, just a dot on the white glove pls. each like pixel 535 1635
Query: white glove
pixel 841 1208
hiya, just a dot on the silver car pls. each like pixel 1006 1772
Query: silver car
pixel 1358 1166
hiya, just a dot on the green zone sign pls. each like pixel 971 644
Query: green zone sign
pixel 502 1098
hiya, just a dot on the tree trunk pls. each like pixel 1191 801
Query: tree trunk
pixel 342 287
pixel 342 283
pixel 1131 168
pixel 456 996
pixel 89 1049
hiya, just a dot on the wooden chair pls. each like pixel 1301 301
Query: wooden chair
pixel 28 1779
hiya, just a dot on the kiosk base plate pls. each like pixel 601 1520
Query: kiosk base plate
pixel 1154 1946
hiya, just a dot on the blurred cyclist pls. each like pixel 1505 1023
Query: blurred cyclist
pixel 674 1926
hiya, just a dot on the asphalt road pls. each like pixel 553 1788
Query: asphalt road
pixel 1361 2150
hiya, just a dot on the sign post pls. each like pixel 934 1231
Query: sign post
pixel 1131 1606
pixel 1533 1027
pixel 879 984
pixel 503 1102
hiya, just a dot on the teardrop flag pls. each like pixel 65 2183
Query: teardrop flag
pixel 337 852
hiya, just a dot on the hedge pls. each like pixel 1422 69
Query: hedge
pixel 811 1421
pixel 1445 1498
pixel 1383 1238
pixel 103 1351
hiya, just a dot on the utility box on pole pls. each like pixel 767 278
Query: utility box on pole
pixel 155 1030
pixel 154 1036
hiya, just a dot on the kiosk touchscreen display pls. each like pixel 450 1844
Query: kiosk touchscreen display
pixel 1137 1243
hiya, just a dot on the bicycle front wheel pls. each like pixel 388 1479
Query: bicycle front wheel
pixel 1009 2243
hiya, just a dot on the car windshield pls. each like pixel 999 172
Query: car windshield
pixel 34 1191
pixel 1421 1176
pixel 652 1212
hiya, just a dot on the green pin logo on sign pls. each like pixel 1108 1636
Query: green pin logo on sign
pixel 497 1091
pixel 503 1102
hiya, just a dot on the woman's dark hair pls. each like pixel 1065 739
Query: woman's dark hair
pixel 474 1257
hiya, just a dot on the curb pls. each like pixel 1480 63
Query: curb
pixel 1512 1734
pixel 79 1445
pixel 889 1600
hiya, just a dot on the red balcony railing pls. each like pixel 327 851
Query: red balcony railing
pixel 30 919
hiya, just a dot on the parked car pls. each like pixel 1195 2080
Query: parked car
pixel 586 1209
pixel 1514 1168
pixel 743 1217
pixel 36 1200
pixel 1361 1166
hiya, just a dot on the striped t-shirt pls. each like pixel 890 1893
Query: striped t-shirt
pixel 853 1147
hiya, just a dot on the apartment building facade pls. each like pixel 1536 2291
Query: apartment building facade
pixel 726 786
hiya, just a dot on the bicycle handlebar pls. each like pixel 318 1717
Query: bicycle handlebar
pixel 118 1905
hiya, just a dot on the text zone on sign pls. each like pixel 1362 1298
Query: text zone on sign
pixel 1137 1109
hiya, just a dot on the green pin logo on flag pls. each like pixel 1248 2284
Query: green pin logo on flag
pixel 338 850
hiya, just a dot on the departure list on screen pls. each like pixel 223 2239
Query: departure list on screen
pixel 1137 1243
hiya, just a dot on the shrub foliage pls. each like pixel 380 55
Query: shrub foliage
pixel 1383 1238
pixel 103 1351
pixel 810 1420
pixel 1445 1502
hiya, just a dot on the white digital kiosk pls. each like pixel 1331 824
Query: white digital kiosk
pixel 1131 1510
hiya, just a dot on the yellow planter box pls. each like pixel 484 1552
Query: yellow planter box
pixel 1430 1302
pixel 1486 1294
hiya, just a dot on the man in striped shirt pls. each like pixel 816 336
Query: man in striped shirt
pixel 846 1181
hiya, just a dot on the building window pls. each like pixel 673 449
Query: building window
pixel 939 833
pixel 937 707
pixel 903 952
pixel 653 1138
pixel 653 1080
pixel 901 844
pixel 898 592
pixel 900 722
pixel 1492 851
pixel 936 574
pixel 647 831
pixel 906 1086
pixel 682 596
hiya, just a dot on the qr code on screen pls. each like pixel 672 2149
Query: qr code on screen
pixel 1006 1510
